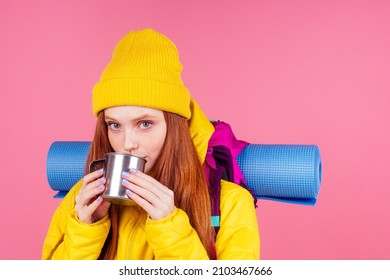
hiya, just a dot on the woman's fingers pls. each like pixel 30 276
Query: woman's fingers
pixel 90 180
pixel 87 212
pixel 148 187
pixel 151 195
pixel 88 199
pixel 93 184
pixel 141 179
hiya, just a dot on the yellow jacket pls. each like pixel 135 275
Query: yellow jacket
pixel 166 239
pixel 171 238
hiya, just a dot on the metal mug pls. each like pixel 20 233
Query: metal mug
pixel 114 165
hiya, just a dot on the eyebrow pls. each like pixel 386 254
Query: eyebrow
pixel 144 116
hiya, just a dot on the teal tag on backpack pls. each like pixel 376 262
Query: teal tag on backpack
pixel 215 221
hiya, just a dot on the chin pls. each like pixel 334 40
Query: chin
pixel 148 167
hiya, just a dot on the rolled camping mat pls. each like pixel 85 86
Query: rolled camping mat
pixel 65 165
pixel 284 173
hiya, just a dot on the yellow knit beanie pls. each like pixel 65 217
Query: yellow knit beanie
pixel 145 70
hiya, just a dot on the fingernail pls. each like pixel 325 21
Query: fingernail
pixel 133 170
pixel 101 180
pixel 100 171
pixel 129 192
pixel 99 197
pixel 126 174
pixel 125 182
pixel 100 187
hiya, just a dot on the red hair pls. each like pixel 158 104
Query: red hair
pixel 178 168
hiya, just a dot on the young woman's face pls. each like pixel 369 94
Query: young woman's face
pixel 137 131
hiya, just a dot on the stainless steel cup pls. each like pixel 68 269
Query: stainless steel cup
pixel 114 165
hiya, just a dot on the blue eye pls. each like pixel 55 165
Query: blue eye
pixel 145 124
pixel 113 125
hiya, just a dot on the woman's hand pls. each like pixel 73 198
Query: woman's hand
pixel 90 206
pixel 151 195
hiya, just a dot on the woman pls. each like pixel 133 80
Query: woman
pixel 144 109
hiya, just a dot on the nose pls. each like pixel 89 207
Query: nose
pixel 131 142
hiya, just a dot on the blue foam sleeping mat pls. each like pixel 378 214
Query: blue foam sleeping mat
pixel 283 173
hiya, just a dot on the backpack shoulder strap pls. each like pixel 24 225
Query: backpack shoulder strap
pixel 221 164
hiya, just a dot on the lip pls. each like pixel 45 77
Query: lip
pixel 143 157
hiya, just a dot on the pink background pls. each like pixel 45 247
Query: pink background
pixel 289 72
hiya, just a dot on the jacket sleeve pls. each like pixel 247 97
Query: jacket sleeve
pixel 238 237
pixel 173 238
pixel 68 238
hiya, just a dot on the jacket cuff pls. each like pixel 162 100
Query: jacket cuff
pixel 85 241
pixel 168 227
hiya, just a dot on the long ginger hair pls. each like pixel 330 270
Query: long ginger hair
pixel 178 168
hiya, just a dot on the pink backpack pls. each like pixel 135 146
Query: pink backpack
pixel 221 163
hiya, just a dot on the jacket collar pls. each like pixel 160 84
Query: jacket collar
pixel 201 129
